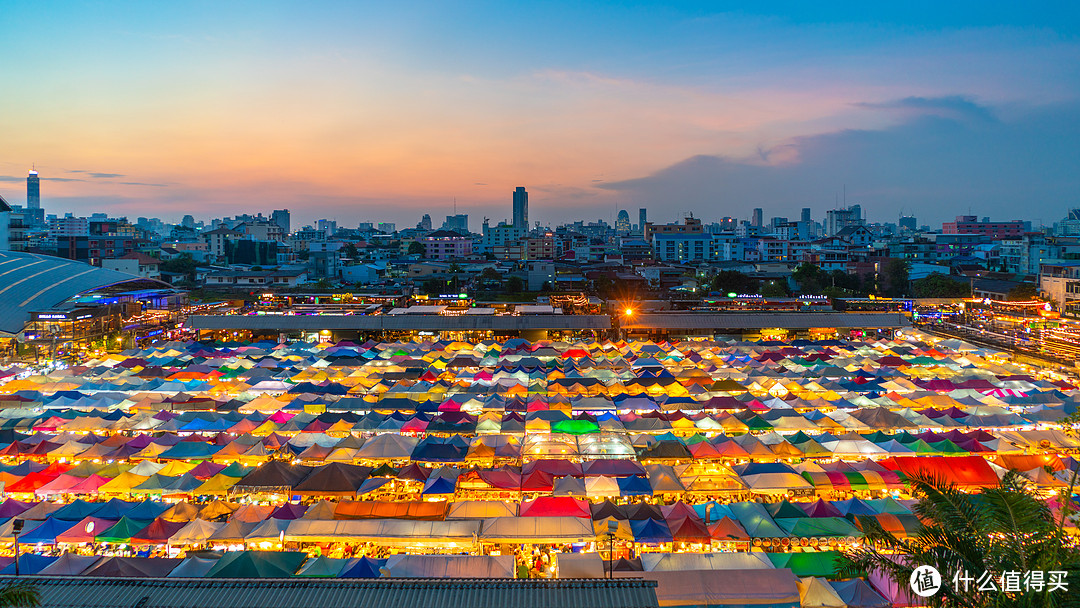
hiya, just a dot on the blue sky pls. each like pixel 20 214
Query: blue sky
pixel 362 112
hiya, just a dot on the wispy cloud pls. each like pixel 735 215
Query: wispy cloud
pixel 96 174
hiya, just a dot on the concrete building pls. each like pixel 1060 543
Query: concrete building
pixel 447 245
pixel 1060 283
pixel 135 263
pixel 838 219
pixel 970 224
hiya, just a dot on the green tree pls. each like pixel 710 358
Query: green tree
pixel 896 277
pixel 19 594
pixel 349 250
pixel 774 289
pixel 546 287
pixel 490 274
pixel 417 248
pixel 183 264
pixel 938 285
pixel 1023 292
pixel 515 284
pixel 810 278
pixel 432 287
pixel 1002 528
pixel 733 281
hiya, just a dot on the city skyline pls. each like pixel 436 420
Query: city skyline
pixel 387 114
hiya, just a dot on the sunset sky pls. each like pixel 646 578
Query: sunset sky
pixel 368 112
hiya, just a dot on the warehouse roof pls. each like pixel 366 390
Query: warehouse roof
pixel 399 322
pixel 101 592
pixel 30 282
pixel 762 320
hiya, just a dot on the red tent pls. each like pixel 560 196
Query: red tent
pixel 158 532
pixel 689 530
pixel 556 506
pixel 964 471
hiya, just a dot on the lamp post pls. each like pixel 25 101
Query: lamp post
pixel 612 528
pixel 16 527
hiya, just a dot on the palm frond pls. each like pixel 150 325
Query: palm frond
pixel 19 594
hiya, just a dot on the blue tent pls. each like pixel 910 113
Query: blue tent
pixel 439 449
pixel 363 567
pixel 29 563
pixel 650 531
pixel 77 510
pixel 440 484
pixel 634 485
pixel 45 532
pixel 855 593
pixel 114 509
pixel 370 485
pixel 147 509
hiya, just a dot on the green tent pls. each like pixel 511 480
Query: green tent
pixel 122 530
pixel 257 564
pixel 820 563
pixel 322 566
pixel 946 446
pixel 879 436
pixel 757 423
pixel 236 469
pixel 756 520
pixel 784 509
pixel 817 527
pixel 574 427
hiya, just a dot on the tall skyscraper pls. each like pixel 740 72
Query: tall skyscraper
pixel 622 222
pixel 425 222
pixel 521 210
pixel 642 218
pixel 33 191
pixel 806 214
pixel 755 219
pixel 282 218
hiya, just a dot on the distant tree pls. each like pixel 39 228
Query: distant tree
pixel 603 286
pixel 490 274
pixel 323 284
pixel 349 250
pixel 733 281
pixel 1023 292
pixel 938 285
pixel 810 278
pixel 183 264
pixel 417 248
pixel 515 285
pixel 546 287
pixel 774 289
pixel 896 277
pixel 432 287
pixel 454 268
pixel 256 268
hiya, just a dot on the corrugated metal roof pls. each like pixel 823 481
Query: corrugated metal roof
pixel 761 320
pixel 39 282
pixel 95 592
pixel 399 322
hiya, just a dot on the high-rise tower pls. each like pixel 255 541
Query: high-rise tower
pixel 33 190
pixel 521 210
